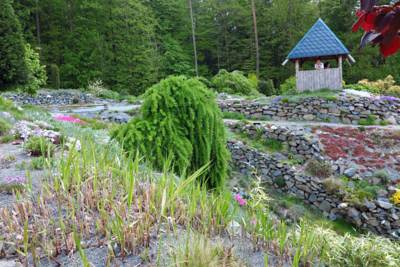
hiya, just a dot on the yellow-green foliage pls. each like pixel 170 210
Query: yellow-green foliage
pixel 180 122
pixel 386 86
pixel 396 198
pixel 234 83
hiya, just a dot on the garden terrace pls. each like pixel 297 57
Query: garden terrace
pixel 343 108
pixel 377 215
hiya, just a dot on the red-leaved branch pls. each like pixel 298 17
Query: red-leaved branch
pixel 381 25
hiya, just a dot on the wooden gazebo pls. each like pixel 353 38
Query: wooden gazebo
pixel 319 45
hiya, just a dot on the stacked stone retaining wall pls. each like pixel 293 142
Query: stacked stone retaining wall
pixel 378 216
pixel 343 109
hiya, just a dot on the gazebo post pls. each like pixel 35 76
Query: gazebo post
pixel 341 71
pixel 297 66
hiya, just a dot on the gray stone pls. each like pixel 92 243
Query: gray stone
pixel 325 206
pixel 350 172
pixel 384 204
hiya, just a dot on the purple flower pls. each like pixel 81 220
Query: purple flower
pixel 15 180
pixel 240 200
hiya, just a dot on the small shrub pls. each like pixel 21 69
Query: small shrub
pixel 267 87
pixel 98 89
pixel 318 168
pixel 333 185
pixel 233 83
pixel 289 86
pixel 386 86
pixel 370 120
pixel 285 100
pixel 360 191
pixel 37 76
pixel 39 146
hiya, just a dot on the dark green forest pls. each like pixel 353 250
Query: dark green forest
pixel 132 44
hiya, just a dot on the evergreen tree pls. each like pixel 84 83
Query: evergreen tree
pixel 172 36
pixel 13 69
pixel 180 122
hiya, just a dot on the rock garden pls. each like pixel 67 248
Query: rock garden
pixel 70 195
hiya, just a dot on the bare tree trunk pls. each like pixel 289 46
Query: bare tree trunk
pixel 37 24
pixel 194 38
pixel 253 8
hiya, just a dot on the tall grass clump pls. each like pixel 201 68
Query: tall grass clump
pixel 181 122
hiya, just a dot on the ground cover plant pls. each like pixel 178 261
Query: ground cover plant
pixel 180 122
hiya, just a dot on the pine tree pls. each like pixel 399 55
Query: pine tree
pixel 13 69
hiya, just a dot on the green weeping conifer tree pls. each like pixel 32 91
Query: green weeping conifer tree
pixel 180 121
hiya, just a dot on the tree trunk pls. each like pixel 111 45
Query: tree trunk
pixel 37 19
pixel 253 8
pixel 193 38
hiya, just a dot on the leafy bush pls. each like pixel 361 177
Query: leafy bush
pixel 39 146
pixel 267 88
pixel 4 127
pixel 386 86
pixel 98 89
pixel 289 86
pixel 318 168
pixel 37 76
pixel 359 190
pixel 233 83
pixel 182 124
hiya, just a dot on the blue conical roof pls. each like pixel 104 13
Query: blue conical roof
pixel 319 41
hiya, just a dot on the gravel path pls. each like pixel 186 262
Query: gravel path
pixel 14 161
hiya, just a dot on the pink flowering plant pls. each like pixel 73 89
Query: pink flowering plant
pixel 240 200
pixel 67 118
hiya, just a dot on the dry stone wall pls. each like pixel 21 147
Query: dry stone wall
pixel 341 109
pixel 378 216
pixel 299 141
pixel 53 97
